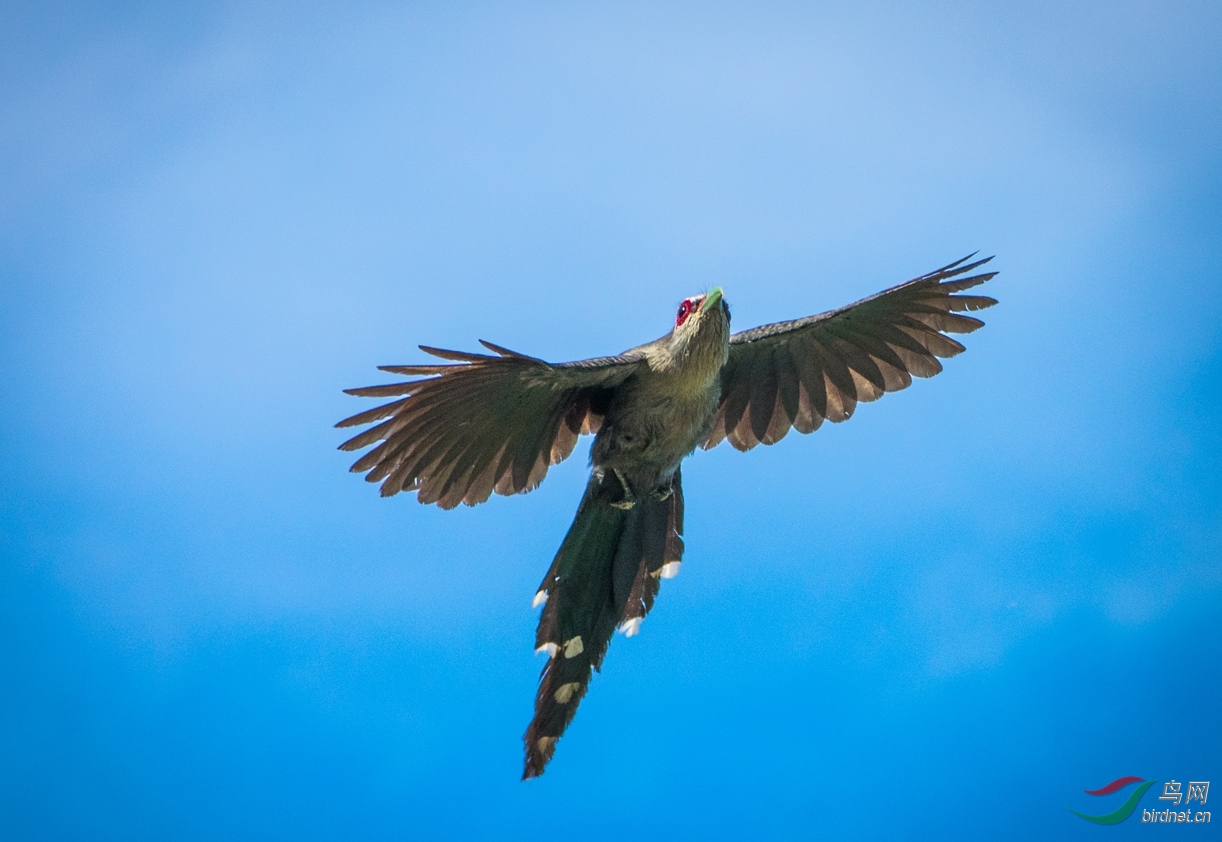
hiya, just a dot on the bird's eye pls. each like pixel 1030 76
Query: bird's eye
pixel 685 310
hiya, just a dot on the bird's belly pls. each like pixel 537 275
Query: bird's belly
pixel 647 439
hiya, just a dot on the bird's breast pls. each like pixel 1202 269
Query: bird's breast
pixel 652 427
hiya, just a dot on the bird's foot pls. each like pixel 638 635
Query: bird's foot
pixel 629 499
pixel 663 492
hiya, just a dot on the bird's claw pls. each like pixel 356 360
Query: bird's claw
pixel 629 499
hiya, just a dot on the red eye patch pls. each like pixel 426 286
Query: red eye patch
pixel 685 309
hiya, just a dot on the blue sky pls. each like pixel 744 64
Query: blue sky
pixel 951 614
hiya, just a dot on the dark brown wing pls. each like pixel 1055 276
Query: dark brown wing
pixel 801 372
pixel 459 432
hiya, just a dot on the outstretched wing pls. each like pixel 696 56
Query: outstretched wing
pixel 801 372
pixel 459 432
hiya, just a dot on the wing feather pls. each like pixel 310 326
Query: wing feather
pixel 788 387
pixel 802 372
pixel 763 393
pixel 481 424
pixel 841 390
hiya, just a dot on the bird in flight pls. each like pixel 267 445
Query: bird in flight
pixel 455 433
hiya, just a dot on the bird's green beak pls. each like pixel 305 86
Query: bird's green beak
pixel 713 299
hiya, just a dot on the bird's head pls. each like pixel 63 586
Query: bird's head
pixel 702 326
pixel 700 312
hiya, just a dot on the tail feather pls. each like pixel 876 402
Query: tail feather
pixel 606 574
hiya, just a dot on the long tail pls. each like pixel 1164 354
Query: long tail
pixel 605 575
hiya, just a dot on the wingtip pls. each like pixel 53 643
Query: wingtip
pixel 441 353
pixel 453 356
pixel 967 264
pixel 955 264
pixel 502 351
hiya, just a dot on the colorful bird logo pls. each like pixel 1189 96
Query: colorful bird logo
pixel 1124 810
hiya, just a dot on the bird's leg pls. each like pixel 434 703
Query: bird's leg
pixel 629 499
pixel 663 492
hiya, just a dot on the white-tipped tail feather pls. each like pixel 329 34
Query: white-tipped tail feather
pixel 565 692
pixel 631 626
